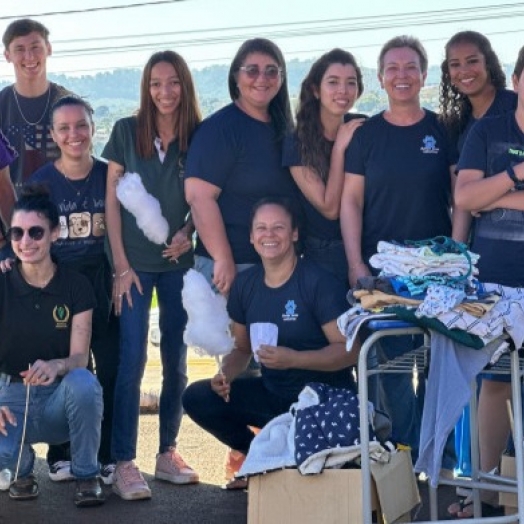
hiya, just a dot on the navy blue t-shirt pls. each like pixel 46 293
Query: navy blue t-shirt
pixel 243 157
pixel 492 144
pixel 316 225
pixel 504 101
pixel 81 208
pixel 311 298
pixel 407 194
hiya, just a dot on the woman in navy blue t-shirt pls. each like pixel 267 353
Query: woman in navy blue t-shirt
pixel 302 303
pixel 490 186
pixel 314 153
pixel 235 159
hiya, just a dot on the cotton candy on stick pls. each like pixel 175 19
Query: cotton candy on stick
pixel 132 194
pixel 208 324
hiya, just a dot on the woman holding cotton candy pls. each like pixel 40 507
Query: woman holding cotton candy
pixel 152 144
pixel 297 303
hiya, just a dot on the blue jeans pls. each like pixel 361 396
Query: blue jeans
pixel 205 266
pixel 134 326
pixel 67 410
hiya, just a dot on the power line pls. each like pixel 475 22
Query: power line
pixel 89 9
pixel 309 52
pixel 287 33
pixel 355 22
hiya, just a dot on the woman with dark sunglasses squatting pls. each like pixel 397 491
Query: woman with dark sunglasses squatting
pixel 46 392
pixel 76 182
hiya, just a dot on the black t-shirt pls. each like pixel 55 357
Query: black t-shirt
pixel 311 298
pixel 493 144
pixel 407 193
pixel 243 157
pixel 36 323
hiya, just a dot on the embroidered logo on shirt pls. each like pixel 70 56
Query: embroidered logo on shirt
pixel 61 316
pixel 429 145
pixel 290 308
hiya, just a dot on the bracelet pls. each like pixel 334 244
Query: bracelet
pixel 123 274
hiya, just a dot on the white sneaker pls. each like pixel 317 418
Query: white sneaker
pixel 106 473
pixel 5 479
pixel 60 471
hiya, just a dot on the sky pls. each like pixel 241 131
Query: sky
pixel 208 32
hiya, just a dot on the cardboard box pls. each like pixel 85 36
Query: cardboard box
pixel 508 500
pixel 334 496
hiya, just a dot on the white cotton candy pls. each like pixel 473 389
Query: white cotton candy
pixel 207 329
pixel 143 206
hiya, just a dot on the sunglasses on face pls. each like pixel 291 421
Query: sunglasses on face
pixel 17 233
pixel 252 71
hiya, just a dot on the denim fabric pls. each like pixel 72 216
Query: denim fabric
pixel 250 404
pixel 70 409
pixel 398 395
pixel 205 266
pixel 134 325
pixel 329 254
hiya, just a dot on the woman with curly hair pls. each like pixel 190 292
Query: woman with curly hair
pixel 490 152
pixel 473 84
pixel 314 153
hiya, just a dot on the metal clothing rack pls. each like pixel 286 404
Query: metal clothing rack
pixel 404 364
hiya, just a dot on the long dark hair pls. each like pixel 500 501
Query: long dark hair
pixel 279 108
pixel 455 107
pixel 315 149
pixel 189 113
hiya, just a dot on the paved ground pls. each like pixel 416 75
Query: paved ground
pixel 200 504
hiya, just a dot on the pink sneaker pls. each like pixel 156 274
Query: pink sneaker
pixel 170 466
pixel 129 483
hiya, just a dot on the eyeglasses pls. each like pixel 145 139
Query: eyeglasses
pixel 17 233
pixel 271 72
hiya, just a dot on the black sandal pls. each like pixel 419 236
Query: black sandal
pixel 487 510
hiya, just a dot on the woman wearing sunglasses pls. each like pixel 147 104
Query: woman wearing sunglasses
pixel 153 144
pixel 45 321
pixel 77 185
pixel 314 153
pixel 235 160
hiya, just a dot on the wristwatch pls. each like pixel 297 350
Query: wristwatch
pixel 519 184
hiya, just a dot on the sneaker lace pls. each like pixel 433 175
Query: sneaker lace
pixel 108 469
pixel 130 474
pixel 177 460
pixel 62 464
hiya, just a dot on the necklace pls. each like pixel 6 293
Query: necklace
pixel 70 181
pixel 43 113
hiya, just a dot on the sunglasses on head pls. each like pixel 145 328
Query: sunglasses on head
pixel 271 72
pixel 17 233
